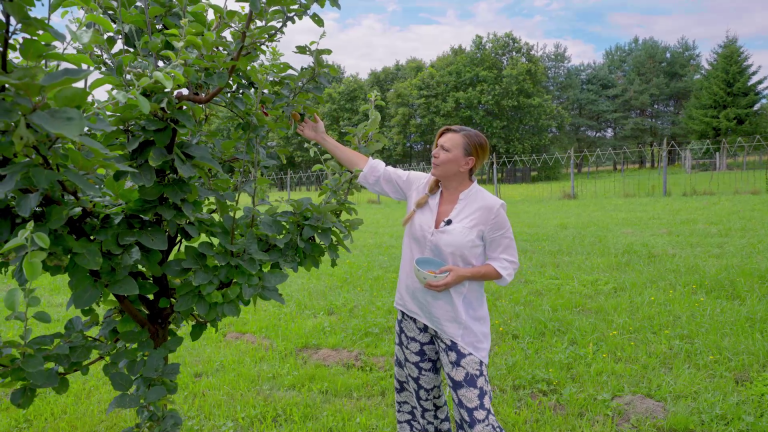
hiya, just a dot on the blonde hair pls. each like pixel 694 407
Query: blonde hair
pixel 475 146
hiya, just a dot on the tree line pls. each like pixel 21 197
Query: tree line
pixel 531 99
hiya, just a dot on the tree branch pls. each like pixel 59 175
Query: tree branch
pixel 230 110
pixel 134 313
pixel 66 189
pixel 89 364
pixel 202 100
pixel 45 159
pixel 6 40
pixel 149 27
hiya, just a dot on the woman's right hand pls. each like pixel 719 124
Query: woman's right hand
pixel 312 130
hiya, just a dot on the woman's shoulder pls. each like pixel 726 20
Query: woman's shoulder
pixel 486 200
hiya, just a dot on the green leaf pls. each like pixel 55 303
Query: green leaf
pixel 164 302
pixel 90 258
pixel 34 301
pixel 231 309
pixel 85 297
pixel 94 145
pixel 81 181
pixel 335 3
pixel 32 269
pixel 62 387
pixel 42 177
pixel 82 36
pixel 255 5
pixel 42 240
pixel 68 122
pixel 45 378
pixel 154 238
pixel 197 331
pixel 42 316
pixel 155 394
pixel 56 216
pixel 71 58
pixel 175 268
pixel 32 50
pixel 185 118
pixel 105 80
pixel 163 79
pixel 12 299
pixel 143 103
pixel 274 278
pixel 64 77
pixel 121 381
pixel 249 291
pixel 21 138
pixel 157 156
pixel 26 203
pixel 155 11
pixel 195 259
pixel 185 302
pixel 272 294
pixel 71 97
pixel 144 176
pixel 37 255
pixel 124 401
pixel 171 371
pixel 153 366
pixel 31 363
pixel 15 242
pixel 125 286
pixel 130 255
pixel 201 277
pixel 100 20
pixel 317 20
pixel 23 397
pixel 125 324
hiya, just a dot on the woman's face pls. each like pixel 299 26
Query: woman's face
pixel 448 158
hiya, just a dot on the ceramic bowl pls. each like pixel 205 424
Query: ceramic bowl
pixel 422 267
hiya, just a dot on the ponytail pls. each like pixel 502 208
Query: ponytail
pixel 434 186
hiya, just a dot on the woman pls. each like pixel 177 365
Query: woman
pixel 445 325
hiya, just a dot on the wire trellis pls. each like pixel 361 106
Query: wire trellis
pixel 689 161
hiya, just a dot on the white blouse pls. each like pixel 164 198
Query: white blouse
pixel 479 233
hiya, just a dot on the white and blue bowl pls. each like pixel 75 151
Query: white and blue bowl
pixel 423 265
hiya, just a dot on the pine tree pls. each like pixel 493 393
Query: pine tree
pixel 727 96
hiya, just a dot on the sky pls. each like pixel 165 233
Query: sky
pixel 370 34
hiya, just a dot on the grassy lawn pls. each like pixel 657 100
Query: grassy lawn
pixel 667 298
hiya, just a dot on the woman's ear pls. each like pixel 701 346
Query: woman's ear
pixel 469 163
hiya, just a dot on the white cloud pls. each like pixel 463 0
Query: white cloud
pixel 706 22
pixel 371 41
pixel 391 5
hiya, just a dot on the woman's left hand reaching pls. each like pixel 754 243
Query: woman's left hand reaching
pixel 457 275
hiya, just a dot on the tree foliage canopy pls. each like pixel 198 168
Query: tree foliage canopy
pixel 159 221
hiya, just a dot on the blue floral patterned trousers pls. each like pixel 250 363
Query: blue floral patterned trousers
pixel 421 354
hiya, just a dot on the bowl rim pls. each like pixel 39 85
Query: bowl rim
pixel 415 261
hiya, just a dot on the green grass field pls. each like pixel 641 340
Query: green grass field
pixel 667 298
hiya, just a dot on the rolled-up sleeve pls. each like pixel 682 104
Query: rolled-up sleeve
pixel 500 247
pixel 389 181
